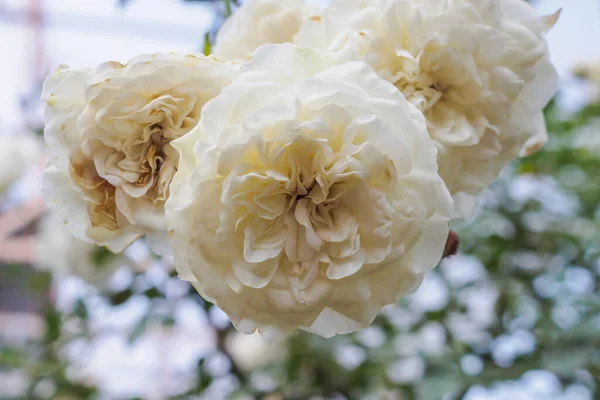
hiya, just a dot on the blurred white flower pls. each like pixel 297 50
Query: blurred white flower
pixel 108 133
pixel 433 295
pixel 480 303
pixel 462 270
pixel 374 336
pixel 478 70
pixel 507 347
pixel 407 370
pixel 349 356
pixel 544 190
pixel 465 330
pixel 57 251
pixel 430 340
pixel 259 22
pixel 589 70
pixel 308 196
pixel 17 155
pixel 471 364
pixel 250 352
pixel 586 137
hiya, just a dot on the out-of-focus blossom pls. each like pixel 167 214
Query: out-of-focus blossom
pixel 251 352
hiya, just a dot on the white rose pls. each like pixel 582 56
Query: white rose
pixel 259 22
pixel 108 134
pixel 17 155
pixel 308 196
pixel 478 70
pixel 56 250
pixel 250 352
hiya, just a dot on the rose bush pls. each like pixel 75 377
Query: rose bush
pixel 108 133
pixel 308 195
pixel 478 70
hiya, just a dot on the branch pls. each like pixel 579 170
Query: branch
pixel 452 245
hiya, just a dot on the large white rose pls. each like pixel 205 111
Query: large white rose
pixel 478 70
pixel 308 195
pixel 108 133
pixel 17 155
pixel 259 22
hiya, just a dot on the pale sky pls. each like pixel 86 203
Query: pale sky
pixel 87 32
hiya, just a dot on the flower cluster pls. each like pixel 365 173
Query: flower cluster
pixel 478 70
pixel 307 174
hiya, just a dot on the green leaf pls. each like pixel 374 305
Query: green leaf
pixel 168 321
pixel 207 46
pixel 101 255
pixel 565 361
pixel 153 293
pixel 53 326
pixel 139 329
pixel 439 386
pixel 121 297
pixel 227 8
pixel 81 309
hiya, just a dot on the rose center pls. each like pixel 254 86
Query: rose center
pixel 422 92
pixel 153 156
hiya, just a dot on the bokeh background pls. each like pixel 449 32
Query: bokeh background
pixel 515 315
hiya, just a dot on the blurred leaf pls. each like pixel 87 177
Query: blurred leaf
pixel 227 8
pixel 439 386
pixel 11 357
pixel 53 326
pixel 207 46
pixel 121 297
pixel 566 360
pixel 101 255
pixel 81 309
pixel 139 329
pixel 153 293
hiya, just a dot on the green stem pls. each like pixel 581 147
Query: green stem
pixel 207 46
pixel 227 8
